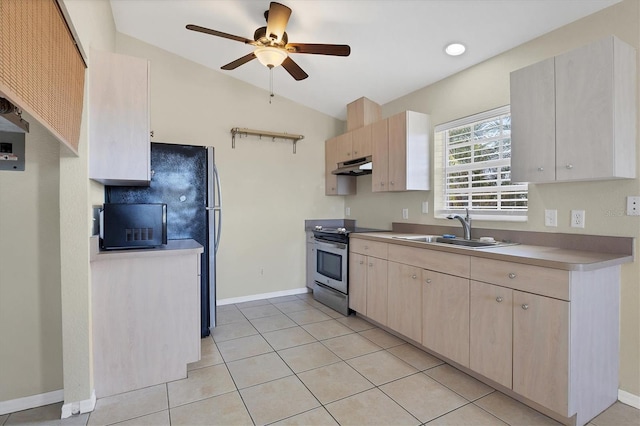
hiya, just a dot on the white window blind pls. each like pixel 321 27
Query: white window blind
pixel 475 168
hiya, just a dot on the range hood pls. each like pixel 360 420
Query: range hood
pixel 357 167
pixel 10 118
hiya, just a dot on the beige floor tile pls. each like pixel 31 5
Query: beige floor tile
pixel 252 303
pixel 229 316
pixel 288 337
pixel 355 323
pixel 327 329
pixel 317 416
pixel 459 382
pixel 382 338
pixel 308 316
pixel 227 409
pixel 292 306
pixel 513 412
pixel 381 367
pixel 469 415
pixel 423 397
pixel 277 400
pixel 209 355
pixel 618 414
pixel 314 303
pixel 226 308
pixel 3 418
pixel 233 331
pixel 272 323
pixel 282 299
pixel 200 384
pixel 243 347
pixel 129 405
pixel 307 357
pixel 371 407
pixel 305 296
pixel 258 369
pixel 260 311
pixel 331 312
pixel 160 418
pixel 46 415
pixel 334 382
pixel 350 346
pixel 415 356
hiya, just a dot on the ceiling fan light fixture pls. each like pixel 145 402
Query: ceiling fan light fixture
pixel 455 49
pixel 270 57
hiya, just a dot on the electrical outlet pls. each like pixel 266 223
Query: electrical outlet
pixel 551 218
pixel 425 207
pixel 405 213
pixel 577 218
pixel 633 206
pixel 347 211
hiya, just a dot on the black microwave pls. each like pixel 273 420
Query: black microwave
pixel 125 226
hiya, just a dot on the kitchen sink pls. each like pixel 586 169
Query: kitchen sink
pixel 476 244
pixel 421 238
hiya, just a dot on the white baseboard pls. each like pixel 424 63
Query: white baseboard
pixel 253 297
pixel 79 407
pixel 629 399
pixel 32 401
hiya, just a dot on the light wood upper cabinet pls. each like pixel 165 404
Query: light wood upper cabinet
pixel 490 332
pixel 119 146
pixel 541 350
pixel 408 152
pixel 336 185
pixel 445 313
pixel 361 142
pixel 580 108
pixel 358 282
pixel 380 156
pixel 344 150
pixel 405 300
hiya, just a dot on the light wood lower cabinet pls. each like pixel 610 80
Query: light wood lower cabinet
pixel 491 332
pixel 358 283
pixel 405 300
pixel 445 315
pixel 377 289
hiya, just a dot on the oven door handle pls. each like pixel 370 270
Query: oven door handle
pixel 330 244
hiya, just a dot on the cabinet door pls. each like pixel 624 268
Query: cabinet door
pixel 361 142
pixel 397 152
pixel 491 325
pixel 377 290
pixel 584 105
pixel 311 263
pixel 380 156
pixel 120 149
pixel 405 300
pixel 358 283
pixel 335 185
pixel 533 123
pixel 345 147
pixel 445 312
pixel 541 350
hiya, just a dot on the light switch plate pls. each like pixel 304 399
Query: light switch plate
pixel 405 213
pixel 633 206
pixel 551 218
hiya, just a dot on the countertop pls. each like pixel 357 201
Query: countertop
pixel 548 257
pixel 173 247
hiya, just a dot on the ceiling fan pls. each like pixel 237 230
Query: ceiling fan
pixel 272 43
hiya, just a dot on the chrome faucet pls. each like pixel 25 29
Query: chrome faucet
pixel 466 224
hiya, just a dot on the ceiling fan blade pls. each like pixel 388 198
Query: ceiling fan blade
pixel 294 69
pixel 240 61
pixel 277 19
pixel 219 34
pixel 319 49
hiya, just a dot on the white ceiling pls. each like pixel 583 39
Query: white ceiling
pixel 397 46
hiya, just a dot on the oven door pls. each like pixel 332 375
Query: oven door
pixel 331 264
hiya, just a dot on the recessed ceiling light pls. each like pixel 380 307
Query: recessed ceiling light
pixel 455 49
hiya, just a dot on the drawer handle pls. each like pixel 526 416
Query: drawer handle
pixel 541 169
pixel 525 306
pixel 499 299
pixel 428 280
pixel 414 276
pixel 512 275
pixel 569 166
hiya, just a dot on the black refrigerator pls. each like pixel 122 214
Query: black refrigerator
pixel 185 178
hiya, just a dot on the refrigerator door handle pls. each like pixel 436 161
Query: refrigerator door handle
pixel 214 196
pixel 218 208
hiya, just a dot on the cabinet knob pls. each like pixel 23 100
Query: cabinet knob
pixel 391 183
pixel 370 264
pixel 355 152
pixel 381 183
pixel 428 280
pixel 362 262
pixel 541 169
pixel 366 247
pixel 414 276
pixel 499 299
pixel 569 166
pixel 512 275
pixel 525 306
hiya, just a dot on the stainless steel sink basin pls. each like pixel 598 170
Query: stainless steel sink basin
pixel 476 244
pixel 421 238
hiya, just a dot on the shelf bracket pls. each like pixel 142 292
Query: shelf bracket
pixel 273 135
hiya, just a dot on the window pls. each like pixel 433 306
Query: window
pixel 474 170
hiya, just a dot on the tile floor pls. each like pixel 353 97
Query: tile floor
pixel 293 361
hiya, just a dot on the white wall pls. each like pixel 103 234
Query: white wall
pixel 486 86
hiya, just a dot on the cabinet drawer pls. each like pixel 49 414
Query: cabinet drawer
pixel 370 248
pixel 532 279
pixel 448 263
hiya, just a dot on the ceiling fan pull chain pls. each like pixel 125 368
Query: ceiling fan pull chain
pixel 270 84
